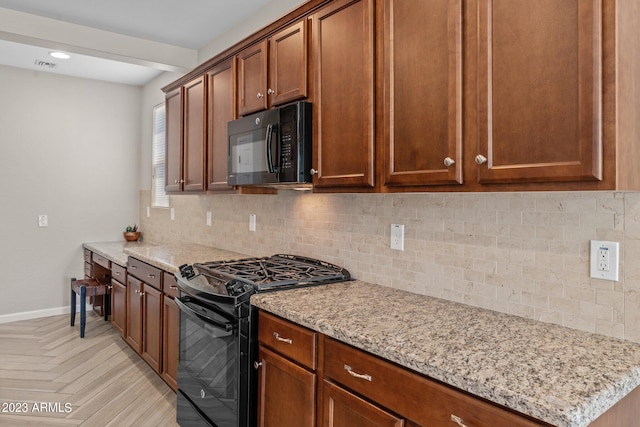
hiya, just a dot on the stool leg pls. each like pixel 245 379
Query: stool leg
pixel 106 305
pixel 73 302
pixel 83 309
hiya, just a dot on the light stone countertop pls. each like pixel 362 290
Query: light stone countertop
pixel 559 375
pixel 114 251
pixel 165 257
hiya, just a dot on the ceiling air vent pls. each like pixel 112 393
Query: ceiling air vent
pixel 45 64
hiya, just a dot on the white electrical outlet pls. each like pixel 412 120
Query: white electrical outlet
pixel 209 218
pixel 604 260
pixel 173 214
pixel 252 222
pixel 397 237
pixel 43 220
pixel 148 212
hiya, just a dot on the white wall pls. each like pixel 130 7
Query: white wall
pixel 69 148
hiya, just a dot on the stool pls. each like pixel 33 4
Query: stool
pixel 86 288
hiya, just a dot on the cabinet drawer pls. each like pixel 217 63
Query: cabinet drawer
pixel 291 340
pixel 409 394
pixel 87 255
pixel 100 260
pixel 119 273
pixel 169 285
pixel 145 272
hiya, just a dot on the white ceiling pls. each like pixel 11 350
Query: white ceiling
pixel 185 24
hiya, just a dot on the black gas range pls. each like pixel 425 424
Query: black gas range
pixel 217 381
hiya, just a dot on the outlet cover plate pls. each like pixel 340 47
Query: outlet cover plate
pixel 610 250
pixel 397 237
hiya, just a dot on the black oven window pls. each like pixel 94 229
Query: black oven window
pixel 208 353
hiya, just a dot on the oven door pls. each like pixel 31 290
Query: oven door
pixel 208 370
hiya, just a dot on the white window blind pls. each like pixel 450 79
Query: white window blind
pixel 159 198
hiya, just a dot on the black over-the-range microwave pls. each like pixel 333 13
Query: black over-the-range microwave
pixel 271 147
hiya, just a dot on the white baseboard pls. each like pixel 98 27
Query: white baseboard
pixel 36 314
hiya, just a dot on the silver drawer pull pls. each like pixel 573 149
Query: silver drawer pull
pixel 456 419
pixel 357 375
pixel 151 276
pixel 277 337
pixel 173 287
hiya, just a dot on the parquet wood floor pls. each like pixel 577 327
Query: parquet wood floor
pixel 57 379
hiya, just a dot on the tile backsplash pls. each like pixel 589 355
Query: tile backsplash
pixel 525 254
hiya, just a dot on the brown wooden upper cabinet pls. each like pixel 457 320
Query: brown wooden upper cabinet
pixel 422 60
pixel 273 71
pixel 221 107
pixel 539 90
pixel 344 109
pixel 185 135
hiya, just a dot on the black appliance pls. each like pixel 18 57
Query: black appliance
pixel 272 147
pixel 217 384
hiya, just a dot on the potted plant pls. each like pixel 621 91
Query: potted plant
pixel 131 234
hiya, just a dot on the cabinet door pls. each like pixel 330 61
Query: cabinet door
pixel 343 409
pixel 288 64
pixel 119 307
pixel 252 79
pixel 539 90
pixel 194 135
pixel 343 49
pixel 173 135
pixel 423 92
pixel 170 331
pixel 152 327
pixel 134 313
pixel 286 392
pixel 221 107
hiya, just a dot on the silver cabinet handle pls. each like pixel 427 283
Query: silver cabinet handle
pixel 456 419
pixel 173 287
pixel 257 365
pixel 133 267
pixel 175 181
pixel 313 172
pixel 151 276
pixel 259 95
pixel 448 161
pixel 271 91
pixel 357 375
pixel 480 159
pixel 277 337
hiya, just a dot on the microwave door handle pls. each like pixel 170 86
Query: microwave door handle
pixel 270 132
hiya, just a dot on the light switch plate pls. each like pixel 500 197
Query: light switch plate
pixel 605 260
pixel 173 214
pixel 252 222
pixel 209 218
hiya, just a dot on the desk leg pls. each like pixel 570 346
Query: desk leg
pixel 83 309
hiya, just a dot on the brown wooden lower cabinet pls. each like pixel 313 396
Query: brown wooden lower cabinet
pixel 119 307
pixel 134 314
pixel 152 327
pixel 344 409
pixel 170 334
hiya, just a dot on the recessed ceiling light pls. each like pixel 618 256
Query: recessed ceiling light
pixel 59 55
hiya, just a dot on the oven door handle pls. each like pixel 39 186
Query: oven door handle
pixel 224 326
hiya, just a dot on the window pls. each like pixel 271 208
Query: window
pixel 159 198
